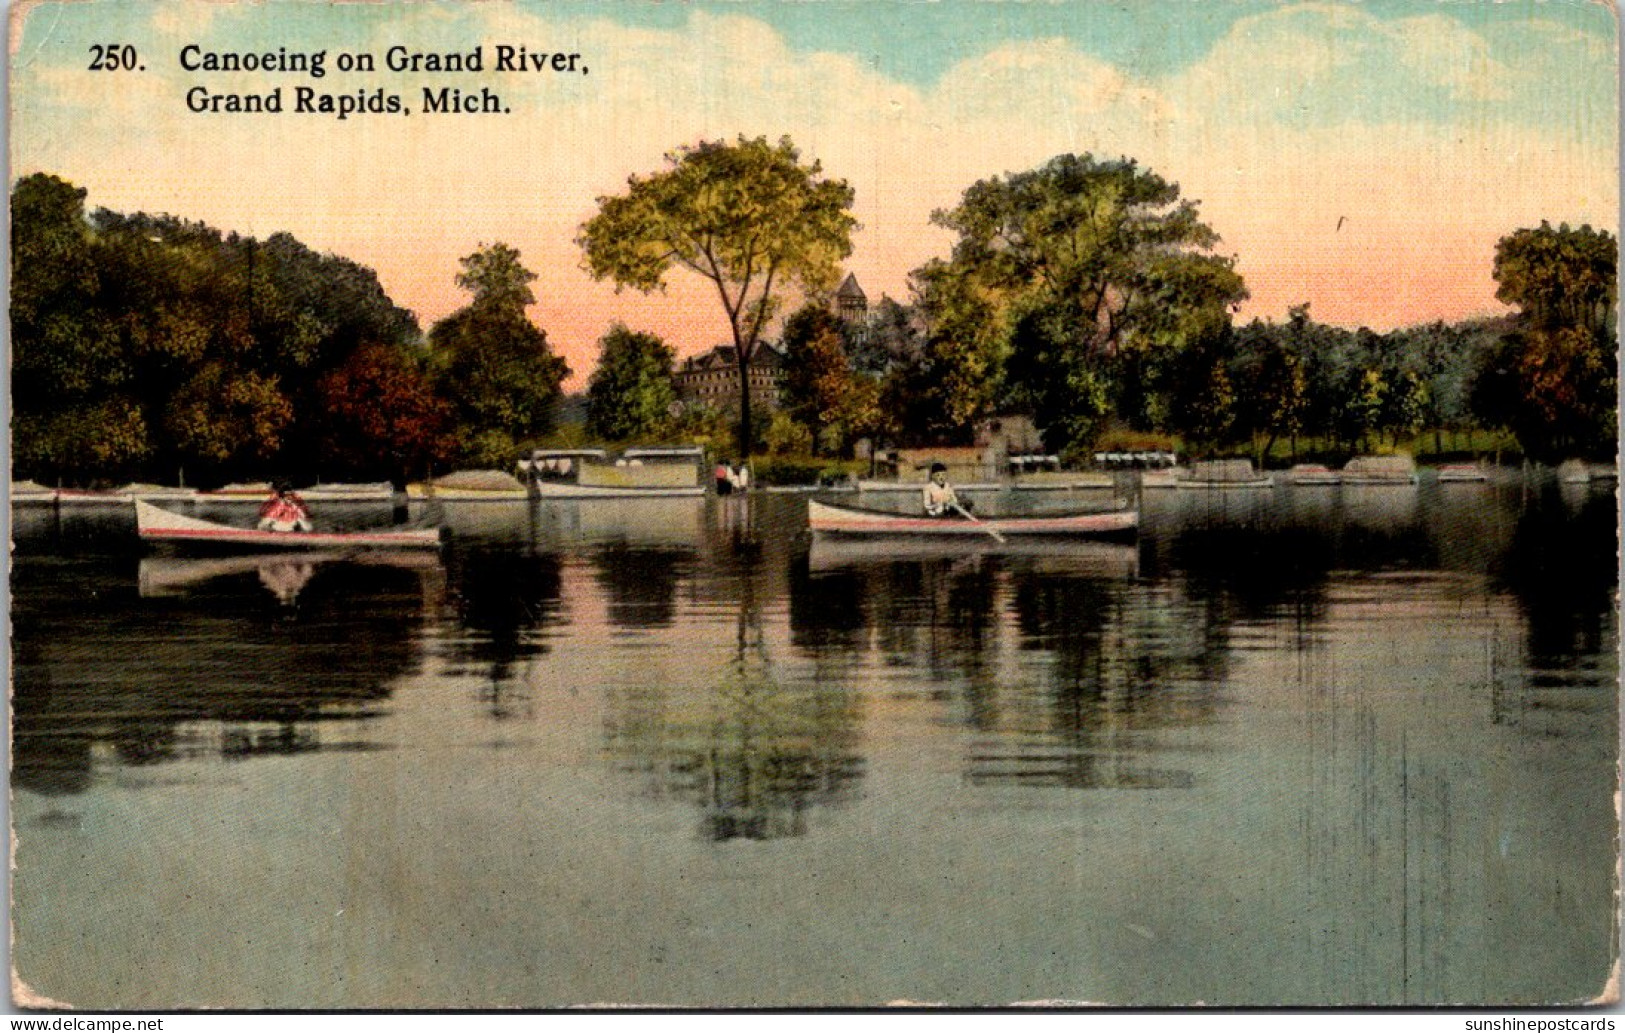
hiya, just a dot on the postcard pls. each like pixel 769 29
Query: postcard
pixel 813 505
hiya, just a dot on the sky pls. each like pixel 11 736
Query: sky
pixel 1361 158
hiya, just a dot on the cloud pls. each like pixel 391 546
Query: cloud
pixel 1429 139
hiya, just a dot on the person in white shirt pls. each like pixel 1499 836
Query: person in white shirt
pixel 938 498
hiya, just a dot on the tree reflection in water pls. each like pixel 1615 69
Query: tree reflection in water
pixel 504 603
pixel 754 753
pixel 209 665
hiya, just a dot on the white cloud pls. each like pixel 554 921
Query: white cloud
pixel 1257 130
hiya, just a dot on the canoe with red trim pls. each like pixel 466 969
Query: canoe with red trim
pixel 160 526
pixel 824 518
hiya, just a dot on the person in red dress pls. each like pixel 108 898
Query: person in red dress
pixel 284 511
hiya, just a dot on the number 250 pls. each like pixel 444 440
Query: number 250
pixel 112 58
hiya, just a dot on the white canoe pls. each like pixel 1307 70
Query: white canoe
pixel 161 526
pixel 824 518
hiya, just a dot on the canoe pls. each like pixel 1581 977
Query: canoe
pixel 160 526
pixel 824 518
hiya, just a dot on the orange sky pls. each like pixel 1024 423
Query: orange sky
pixel 1361 159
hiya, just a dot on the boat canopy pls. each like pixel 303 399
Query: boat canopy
pixel 691 453
pixel 568 453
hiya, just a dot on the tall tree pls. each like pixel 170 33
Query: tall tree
pixel 1559 386
pixel 1078 261
pixel 492 363
pixel 747 216
pixel 630 394
pixel 819 386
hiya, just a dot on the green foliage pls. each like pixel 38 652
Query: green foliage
pixel 1553 382
pixel 142 343
pixel 223 417
pixel 630 394
pixel 109 438
pixel 1058 277
pixel 801 469
pixel 497 279
pixel 1205 404
pixel 492 364
pixel 747 216
pixel 821 391
pixel 1559 278
pixel 787 436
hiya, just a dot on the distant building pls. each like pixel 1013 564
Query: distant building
pixel 851 304
pixel 712 378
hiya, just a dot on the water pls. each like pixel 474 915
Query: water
pixel 1306 746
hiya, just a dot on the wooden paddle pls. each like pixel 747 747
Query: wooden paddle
pixel 962 511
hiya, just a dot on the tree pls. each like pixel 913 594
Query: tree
pixel 1553 382
pixel 630 394
pixel 143 344
pixel 380 416
pixel 819 389
pixel 1074 264
pixel 1272 388
pixel 491 363
pixel 747 216
pixel 1559 278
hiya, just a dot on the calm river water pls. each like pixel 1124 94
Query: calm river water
pixel 1304 746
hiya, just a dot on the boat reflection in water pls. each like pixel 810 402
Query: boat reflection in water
pixel 284 575
pixel 1043 555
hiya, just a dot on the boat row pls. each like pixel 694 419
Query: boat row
pixel 248 493
pixel 1223 474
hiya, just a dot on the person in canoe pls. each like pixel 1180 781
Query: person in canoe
pixel 284 510
pixel 938 497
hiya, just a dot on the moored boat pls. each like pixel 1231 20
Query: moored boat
pixel 379 491
pixel 1313 474
pixel 653 472
pixel 254 492
pixel 1388 470
pixel 92 497
pixel 1224 474
pixel 31 492
pixel 1460 473
pixel 471 486
pixel 1578 471
pixel 825 518
pixel 162 527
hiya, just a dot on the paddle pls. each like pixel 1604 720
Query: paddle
pixel 962 511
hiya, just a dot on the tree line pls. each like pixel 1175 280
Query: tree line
pixel 149 347
pixel 1089 295
pixel 1086 293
